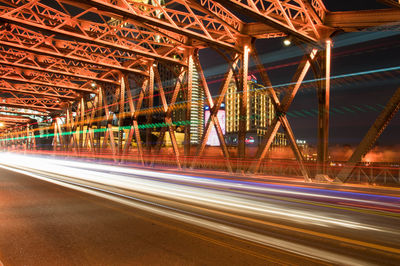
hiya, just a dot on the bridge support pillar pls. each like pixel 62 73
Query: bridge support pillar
pixel 323 92
pixel 150 102
pixel 121 112
pixel 242 90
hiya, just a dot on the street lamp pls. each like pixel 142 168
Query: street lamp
pixel 287 41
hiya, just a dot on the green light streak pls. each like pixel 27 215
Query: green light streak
pixel 143 126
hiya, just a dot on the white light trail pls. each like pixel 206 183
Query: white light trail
pixel 138 181
pixel 108 181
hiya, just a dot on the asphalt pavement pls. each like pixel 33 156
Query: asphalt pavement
pixel 46 224
pixel 77 213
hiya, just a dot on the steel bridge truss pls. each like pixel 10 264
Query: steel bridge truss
pixel 74 63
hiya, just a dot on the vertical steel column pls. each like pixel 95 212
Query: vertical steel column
pixel 34 147
pixel 243 90
pixel 121 113
pixel 323 110
pixel 89 143
pixel 189 76
pixel 55 137
pixel 60 133
pixel 82 123
pixel 28 138
pixel 67 129
pixel 150 108
pixel 99 115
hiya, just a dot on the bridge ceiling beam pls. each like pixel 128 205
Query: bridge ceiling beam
pixel 22 39
pixel 21 111
pixel 14 119
pixel 347 21
pixel 31 89
pixel 357 20
pixel 205 21
pixel 132 40
pixel 34 103
pixel 58 66
pixel 293 17
pixel 392 3
pixel 18 78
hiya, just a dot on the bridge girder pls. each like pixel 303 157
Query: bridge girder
pixel 35 103
pixel 41 17
pixel 207 22
pixel 23 39
pixel 14 119
pixel 298 18
pixel 30 61
pixel 33 89
pixel 21 111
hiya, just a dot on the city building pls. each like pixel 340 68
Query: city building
pixel 213 139
pixel 260 113
pixel 306 150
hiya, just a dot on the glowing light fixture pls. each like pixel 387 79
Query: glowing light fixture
pixel 1 124
pixel 93 84
pixel 287 42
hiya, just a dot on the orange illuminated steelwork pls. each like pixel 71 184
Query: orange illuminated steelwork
pixel 80 65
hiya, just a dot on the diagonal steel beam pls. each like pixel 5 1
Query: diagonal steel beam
pixel 213 118
pixel 281 111
pixel 167 119
pixel 381 122
pixel 214 111
pixel 391 3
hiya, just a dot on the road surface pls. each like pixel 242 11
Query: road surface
pixel 73 213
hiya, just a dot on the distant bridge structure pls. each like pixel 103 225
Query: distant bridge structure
pixel 62 61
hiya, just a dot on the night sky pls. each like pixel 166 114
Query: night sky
pixel 356 100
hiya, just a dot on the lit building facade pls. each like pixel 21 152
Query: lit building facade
pixel 196 110
pixel 260 113
pixel 196 118
pixel 213 139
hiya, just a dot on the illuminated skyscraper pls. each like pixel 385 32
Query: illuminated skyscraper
pixel 196 110
pixel 260 113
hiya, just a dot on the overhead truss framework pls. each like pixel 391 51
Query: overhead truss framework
pixel 65 58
